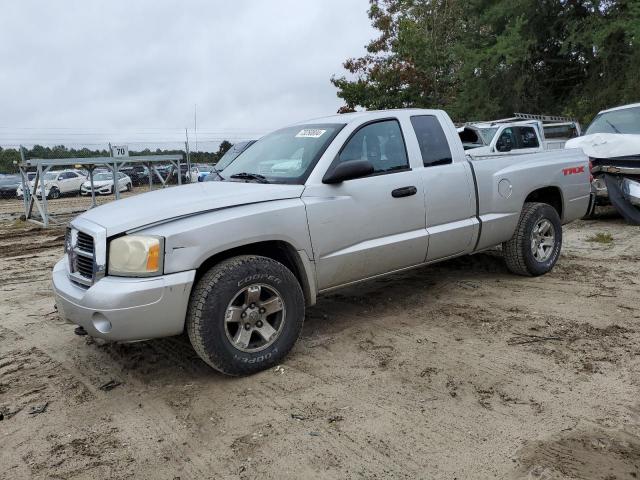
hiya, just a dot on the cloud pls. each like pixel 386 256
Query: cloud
pixel 133 70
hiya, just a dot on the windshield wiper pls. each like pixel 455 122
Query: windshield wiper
pixel 612 126
pixel 250 176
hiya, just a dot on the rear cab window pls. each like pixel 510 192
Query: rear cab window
pixel 432 140
pixel 526 137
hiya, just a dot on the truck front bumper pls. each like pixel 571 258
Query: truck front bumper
pixel 124 309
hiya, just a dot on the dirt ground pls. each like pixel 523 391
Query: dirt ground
pixel 458 370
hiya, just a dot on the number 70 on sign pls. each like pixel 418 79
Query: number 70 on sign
pixel 120 150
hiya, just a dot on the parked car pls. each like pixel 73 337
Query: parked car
pixel 9 185
pixel 57 183
pixel 139 174
pixel 191 177
pixel 103 184
pixel 203 171
pixel 235 262
pixel 165 171
pixel 612 142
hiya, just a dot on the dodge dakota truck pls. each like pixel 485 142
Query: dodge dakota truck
pixel 307 209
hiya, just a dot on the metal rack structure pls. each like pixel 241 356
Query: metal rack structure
pixel 114 164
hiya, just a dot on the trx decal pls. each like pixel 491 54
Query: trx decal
pixel 572 170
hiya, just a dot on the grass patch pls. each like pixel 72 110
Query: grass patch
pixel 601 237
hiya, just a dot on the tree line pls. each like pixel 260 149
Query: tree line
pixel 10 157
pixel 484 59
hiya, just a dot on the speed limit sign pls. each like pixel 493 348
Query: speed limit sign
pixel 120 150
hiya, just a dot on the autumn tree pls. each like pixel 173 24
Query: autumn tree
pixel 490 58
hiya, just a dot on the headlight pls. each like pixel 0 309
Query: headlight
pixel 136 256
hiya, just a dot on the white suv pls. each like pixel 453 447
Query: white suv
pixel 57 183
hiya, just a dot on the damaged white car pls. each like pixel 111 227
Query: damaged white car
pixel 612 143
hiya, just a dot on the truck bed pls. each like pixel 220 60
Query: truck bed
pixel 504 183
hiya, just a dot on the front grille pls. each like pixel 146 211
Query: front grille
pixel 82 258
pixel 85 266
pixel 85 242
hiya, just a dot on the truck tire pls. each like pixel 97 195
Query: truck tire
pixel 245 314
pixel 535 246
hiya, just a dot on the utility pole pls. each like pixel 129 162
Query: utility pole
pixel 186 148
pixel 195 123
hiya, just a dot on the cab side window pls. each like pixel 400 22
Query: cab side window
pixel 527 137
pixel 432 140
pixel 379 143
pixel 506 141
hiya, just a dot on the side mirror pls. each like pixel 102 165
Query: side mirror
pixel 60 178
pixel 348 170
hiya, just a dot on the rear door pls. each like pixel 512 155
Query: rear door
pixel 449 189
pixel 373 224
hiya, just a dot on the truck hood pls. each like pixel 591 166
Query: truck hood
pixel 172 203
pixel 607 145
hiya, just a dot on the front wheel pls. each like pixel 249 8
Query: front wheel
pixel 245 314
pixel 535 246
pixel 54 193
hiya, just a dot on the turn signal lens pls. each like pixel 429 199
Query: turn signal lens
pixel 153 258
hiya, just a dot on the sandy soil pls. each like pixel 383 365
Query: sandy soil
pixel 459 370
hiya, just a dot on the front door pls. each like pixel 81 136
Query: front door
pixel 369 225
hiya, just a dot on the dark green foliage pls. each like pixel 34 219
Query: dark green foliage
pixel 482 59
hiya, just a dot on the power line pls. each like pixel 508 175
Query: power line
pixel 111 129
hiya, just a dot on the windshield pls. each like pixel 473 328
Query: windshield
pixel 51 175
pixel 99 177
pixel 9 179
pixel 487 134
pixel 231 154
pixel 287 155
pixel 626 120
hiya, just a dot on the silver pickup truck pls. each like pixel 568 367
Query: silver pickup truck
pixel 307 209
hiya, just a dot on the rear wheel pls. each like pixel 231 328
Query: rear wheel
pixel 245 314
pixel 535 246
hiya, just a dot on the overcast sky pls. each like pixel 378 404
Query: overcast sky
pixel 132 71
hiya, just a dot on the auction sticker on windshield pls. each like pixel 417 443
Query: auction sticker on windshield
pixel 310 133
